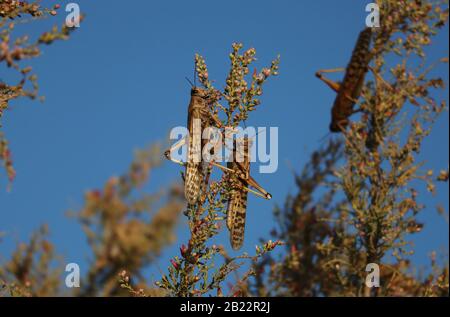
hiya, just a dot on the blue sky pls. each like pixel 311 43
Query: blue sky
pixel 119 85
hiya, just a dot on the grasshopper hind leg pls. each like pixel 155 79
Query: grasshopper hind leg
pixel 236 213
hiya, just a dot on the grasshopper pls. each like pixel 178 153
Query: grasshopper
pixel 240 181
pixel 349 91
pixel 197 119
pixel 237 204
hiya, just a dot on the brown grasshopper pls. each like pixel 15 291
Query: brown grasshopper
pixel 237 204
pixel 349 91
pixel 239 180
pixel 197 120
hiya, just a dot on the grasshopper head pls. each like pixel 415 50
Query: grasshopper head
pixel 199 92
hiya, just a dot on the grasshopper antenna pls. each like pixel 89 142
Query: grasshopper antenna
pixel 254 135
pixel 322 139
pixel 262 131
pixel 190 82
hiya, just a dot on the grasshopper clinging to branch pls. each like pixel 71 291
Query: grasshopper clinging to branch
pixel 237 204
pixel 198 118
pixel 349 91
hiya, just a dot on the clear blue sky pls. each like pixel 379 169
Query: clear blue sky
pixel 119 84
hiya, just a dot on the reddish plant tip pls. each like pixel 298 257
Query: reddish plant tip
pixel 174 264
pixel 183 250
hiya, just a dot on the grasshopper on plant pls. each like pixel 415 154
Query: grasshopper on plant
pixel 240 179
pixel 198 118
pixel 349 91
